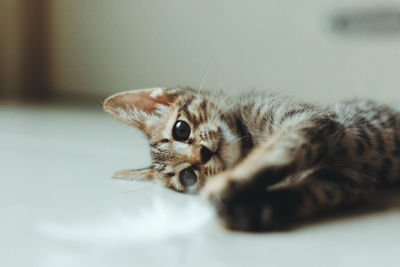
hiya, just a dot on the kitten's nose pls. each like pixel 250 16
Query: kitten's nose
pixel 206 154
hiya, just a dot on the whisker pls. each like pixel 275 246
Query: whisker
pixel 238 139
pixel 227 95
pixel 220 82
pixel 202 83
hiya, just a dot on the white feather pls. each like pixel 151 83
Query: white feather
pixel 130 238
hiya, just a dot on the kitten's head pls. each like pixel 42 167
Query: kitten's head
pixel 192 136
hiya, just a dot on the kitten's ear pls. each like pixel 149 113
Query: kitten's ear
pixel 140 108
pixel 138 175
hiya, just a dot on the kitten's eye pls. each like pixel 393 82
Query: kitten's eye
pixel 181 131
pixel 187 177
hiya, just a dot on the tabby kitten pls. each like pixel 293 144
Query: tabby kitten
pixel 264 161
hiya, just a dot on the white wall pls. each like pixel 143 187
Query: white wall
pixel 102 46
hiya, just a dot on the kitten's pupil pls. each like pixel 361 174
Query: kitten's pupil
pixel 181 131
pixel 187 177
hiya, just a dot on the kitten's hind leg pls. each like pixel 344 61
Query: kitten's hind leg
pixel 249 208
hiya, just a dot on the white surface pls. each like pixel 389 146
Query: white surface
pixel 60 207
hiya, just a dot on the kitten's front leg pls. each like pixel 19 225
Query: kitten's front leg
pixel 248 208
pixel 298 146
pixel 243 189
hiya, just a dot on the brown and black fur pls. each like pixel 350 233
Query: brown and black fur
pixel 275 161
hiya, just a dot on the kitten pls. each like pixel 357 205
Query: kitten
pixel 264 161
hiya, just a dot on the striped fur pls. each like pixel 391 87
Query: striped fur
pixel 275 161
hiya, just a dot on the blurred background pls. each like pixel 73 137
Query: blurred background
pixel 60 58
pixel 84 50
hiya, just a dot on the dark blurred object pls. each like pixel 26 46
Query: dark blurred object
pixel 25 49
pixel 372 21
pixel 36 50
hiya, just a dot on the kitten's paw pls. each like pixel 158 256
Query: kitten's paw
pixel 220 186
pixel 244 208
